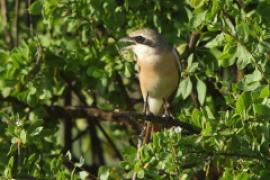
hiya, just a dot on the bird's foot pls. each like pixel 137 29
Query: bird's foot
pixel 141 135
pixel 168 116
pixel 167 113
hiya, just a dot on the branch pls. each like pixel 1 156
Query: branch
pixel 17 6
pixel 5 18
pixel 118 154
pixel 68 125
pixel 131 119
pixel 28 18
pixel 193 41
pixel 127 118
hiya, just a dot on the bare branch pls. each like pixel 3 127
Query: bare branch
pixel 68 125
pixel 17 6
pixel 193 40
pixel 8 36
pixel 28 18
pixel 131 119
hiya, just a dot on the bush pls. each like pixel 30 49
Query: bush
pixel 69 99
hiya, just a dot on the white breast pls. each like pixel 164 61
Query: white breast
pixel 142 51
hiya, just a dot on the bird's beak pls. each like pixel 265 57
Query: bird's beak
pixel 128 43
pixel 127 40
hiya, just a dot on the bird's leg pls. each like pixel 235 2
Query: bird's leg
pixel 146 112
pixel 143 133
pixel 147 125
pixel 166 106
pixel 146 105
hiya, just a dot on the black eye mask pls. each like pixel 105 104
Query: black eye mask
pixel 142 40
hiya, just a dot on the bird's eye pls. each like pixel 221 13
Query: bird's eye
pixel 139 39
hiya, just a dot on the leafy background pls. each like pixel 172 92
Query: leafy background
pixel 64 84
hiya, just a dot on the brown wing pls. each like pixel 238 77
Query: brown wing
pixel 178 64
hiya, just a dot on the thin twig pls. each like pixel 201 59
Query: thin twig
pixel 111 143
pixel 68 125
pixel 78 136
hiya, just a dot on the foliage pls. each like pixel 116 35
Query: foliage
pixel 67 56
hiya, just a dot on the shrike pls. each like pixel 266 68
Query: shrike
pixel 159 70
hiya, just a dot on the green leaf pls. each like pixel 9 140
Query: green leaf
pixel 9 167
pixel 128 70
pixel 37 131
pixel 199 19
pixel 192 66
pixel 140 174
pixel 201 90
pixel 265 92
pixel 261 110
pixel 3 55
pixel 31 96
pixel 250 82
pixel 185 88
pixel 190 60
pixel 243 56
pixel 209 113
pixel 6 91
pixel 103 173
pixel 46 94
pixel 230 24
pixel 23 136
pixel 228 57
pixel 95 72
pixel 243 103
pixel 242 176
pixel 36 7
pixel 83 174
pixel 227 175
pixel 196 117
pixel 196 3
pixel 216 42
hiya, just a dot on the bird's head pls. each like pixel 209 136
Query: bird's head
pixel 144 42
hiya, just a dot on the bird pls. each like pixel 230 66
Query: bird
pixel 158 71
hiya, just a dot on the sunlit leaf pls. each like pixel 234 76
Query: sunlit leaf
pixel 185 88
pixel 201 90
